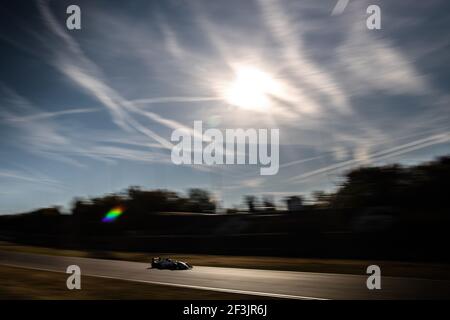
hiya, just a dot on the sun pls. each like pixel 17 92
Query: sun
pixel 251 89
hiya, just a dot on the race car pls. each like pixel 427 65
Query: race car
pixel 169 264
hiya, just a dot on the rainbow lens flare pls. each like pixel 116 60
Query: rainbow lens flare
pixel 113 214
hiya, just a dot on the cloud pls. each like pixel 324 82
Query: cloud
pixel 47 115
pixel 373 63
pixel 85 73
pixel 39 134
pixel 28 178
pixel 155 100
pixel 319 83
pixel 339 7
pixel 377 156
pixel 300 161
pixel 349 96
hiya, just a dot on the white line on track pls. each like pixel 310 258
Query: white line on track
pixel 253 293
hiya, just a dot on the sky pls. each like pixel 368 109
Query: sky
pixel 89 112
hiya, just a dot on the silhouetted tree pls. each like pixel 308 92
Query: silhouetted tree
pixel 322 199
pixel 422 186
pixel 269 204
pixel 294 203
pixel 201 201
pixel 251 203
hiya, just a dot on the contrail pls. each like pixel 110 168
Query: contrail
pixel 175 99
pixel 339 7
pixel 288 164
pixel 395 151
pixel 47 115
pixel 84 73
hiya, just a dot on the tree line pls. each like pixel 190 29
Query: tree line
pixel 420 187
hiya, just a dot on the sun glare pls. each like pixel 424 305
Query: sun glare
pixel 251 89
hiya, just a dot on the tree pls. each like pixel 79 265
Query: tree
pixel 322 199
pixel 294 203
pixel 251 203
pixel 269 204
pixel 201 201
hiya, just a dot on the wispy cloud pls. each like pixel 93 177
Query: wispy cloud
pixel 377 156
pixel 175 99
pixel 375 64
pixel 348 96
pixel 317 82
pixel 27 178
pixel 86 74
pixel 38 133
pixel 47 115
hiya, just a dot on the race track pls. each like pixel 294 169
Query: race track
pixel 271 283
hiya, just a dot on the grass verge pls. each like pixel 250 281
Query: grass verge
pixel 21 283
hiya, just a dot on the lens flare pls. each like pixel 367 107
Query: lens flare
pixel 113 214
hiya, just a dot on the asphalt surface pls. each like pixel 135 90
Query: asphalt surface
pixel 271 283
